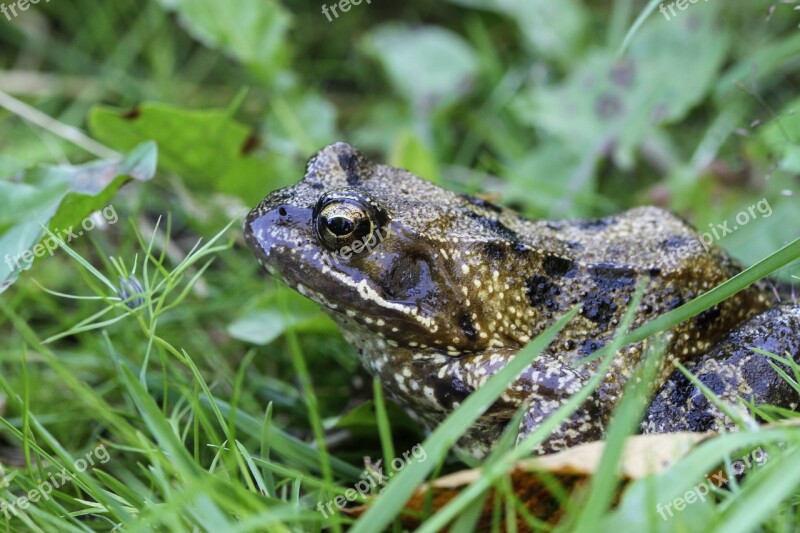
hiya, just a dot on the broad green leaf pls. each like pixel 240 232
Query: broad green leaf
pixel 299 125
pixel 761 226
pixel 428 65
pixel 252 31
pixel 284 310
pixel 264 326
pixel 10 166
pixel 769 224
pixel 552 171
pixel 613 102
pixel 206 148
pixel 61 198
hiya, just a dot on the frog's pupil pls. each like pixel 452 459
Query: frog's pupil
pixel 340 226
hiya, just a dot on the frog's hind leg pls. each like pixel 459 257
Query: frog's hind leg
pixel 733 371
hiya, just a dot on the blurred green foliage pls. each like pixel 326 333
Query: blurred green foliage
pixel 508 96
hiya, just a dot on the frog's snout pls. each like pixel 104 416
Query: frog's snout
pixel 273 226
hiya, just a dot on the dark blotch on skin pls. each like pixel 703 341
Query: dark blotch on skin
pixel 494 251
pixel 541 292
pixel 555 266
pixel 699 419
pixel 599 309
pixel 466 325
pixel 714 382
pixel 449 391
pixel 520 249
pixel 589 347
pixel 676 241
pixel 610 277
pixel 349 164
pixel 480 202
pixel 613 284
pixel 405 277
pixel 499 228
pixel 594 224
pixel 707 317
pixel 673 303
pixel 680 390
pixel 494 225
pixel 684 393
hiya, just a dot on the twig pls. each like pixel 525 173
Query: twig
pixel 69 133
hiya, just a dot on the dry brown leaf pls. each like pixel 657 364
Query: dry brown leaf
pixel 533 479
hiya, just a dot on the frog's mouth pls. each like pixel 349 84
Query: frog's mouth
pixel 282 239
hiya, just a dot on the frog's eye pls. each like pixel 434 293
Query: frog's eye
pixel 344 218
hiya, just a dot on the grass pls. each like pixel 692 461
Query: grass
pixel 225 401
pixel 160 477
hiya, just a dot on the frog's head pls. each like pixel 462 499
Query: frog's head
pixel 378 245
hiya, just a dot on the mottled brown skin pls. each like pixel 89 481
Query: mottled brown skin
pixel 455 286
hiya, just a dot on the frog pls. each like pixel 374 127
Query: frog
pixel 438 290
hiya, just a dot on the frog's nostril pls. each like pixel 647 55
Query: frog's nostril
pixel 282 212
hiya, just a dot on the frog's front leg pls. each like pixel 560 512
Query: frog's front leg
pixel 542 388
